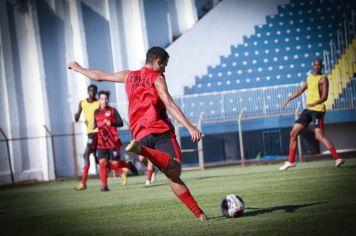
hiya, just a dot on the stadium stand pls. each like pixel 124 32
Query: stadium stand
pixel 281 51
pixel 259 74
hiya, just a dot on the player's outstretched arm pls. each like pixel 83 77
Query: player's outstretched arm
pixel 118 77
pixel 118 120
pixel 324 92
pixel 77 115
pixel 295 95
pixel 161 86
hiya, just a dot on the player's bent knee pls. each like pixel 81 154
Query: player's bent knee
pixel 174 177
pixel 293 134
pixel 173 172
pixel 102 160
pixel 319 137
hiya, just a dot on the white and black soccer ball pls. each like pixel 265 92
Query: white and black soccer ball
pixel 232 206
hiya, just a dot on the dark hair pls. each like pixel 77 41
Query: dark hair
pixel 318 59
pixel 107 93
pixel 155 53
pixel 93 86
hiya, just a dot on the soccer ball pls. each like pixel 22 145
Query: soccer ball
pixel 232 206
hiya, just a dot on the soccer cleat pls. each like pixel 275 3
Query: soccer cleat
pixel 106 189
pixel 287 165
pixel 80 186
pixel 339 162
pixel 133 168
pixel 202 217
pixel 134 147
pixel 148 183
pixel 123 178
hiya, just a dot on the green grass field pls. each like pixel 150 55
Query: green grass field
pixel 313 199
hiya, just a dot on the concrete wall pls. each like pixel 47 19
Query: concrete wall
pixel 343 135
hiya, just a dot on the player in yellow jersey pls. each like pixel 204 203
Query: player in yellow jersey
pixel 318 90
pixel 88 106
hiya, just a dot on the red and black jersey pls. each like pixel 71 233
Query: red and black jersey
pixel 108 137
pixel 147 113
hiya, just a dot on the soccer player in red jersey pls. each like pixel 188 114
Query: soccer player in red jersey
pixel 149 100
pixel 107 119
pixel 88 106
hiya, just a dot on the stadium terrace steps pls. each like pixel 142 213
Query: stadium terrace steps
pixel 281 50
pixel 347 98
pixel 340 77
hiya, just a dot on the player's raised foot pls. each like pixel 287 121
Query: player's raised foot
pixel 80 186
pixel 123 178
pixel 287 165
pixel 339 162
pixel 105 189
pixel 134 147
pixel 202 217
pixel 133 168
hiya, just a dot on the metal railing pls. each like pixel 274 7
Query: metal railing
pixel 31 142
pixel 344 38
pixel 226 105
pixel 9 159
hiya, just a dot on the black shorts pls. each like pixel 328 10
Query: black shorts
pixel 165 142
pixel 316 117
pixel 92 141
pixel 112 154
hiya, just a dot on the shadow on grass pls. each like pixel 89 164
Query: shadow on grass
pixel 348 166
pixel 154 185
pixel 213 176
pixel 218 218
pixel 286 208
pixel 257 211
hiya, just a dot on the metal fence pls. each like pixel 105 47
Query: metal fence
pixel 227 105
pixel 238 106
pixel 63 144
pixel 19 153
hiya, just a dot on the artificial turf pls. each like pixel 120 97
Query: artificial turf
pixel 315 198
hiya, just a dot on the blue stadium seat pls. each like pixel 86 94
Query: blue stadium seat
pixel 282 50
